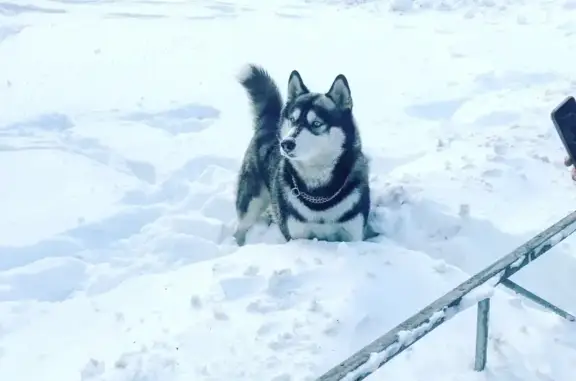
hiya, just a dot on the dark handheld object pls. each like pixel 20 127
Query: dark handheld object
pixel 564 118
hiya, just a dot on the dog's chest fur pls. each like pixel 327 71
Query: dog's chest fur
pixel 321 223
pixel 324 224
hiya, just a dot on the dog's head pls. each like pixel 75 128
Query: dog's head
pixel 315 127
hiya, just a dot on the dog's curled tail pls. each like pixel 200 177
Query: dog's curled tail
pixel 263 94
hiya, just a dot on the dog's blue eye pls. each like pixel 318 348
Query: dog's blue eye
pixel 292 119
pixel 316 124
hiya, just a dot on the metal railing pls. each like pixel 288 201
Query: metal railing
pixel 370 358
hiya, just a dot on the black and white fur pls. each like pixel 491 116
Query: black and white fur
pixel 304 164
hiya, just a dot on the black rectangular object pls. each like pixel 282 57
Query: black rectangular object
pixel 564 118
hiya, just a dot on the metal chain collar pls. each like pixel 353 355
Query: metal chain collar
pixel 314 199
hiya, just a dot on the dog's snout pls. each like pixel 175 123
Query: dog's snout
pixel 288 145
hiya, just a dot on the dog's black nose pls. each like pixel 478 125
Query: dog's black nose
pixel 288 145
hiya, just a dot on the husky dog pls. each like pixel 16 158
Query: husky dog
pixel 304 165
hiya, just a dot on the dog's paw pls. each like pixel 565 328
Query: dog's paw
pixel 268 217
pixel 240 237
pixel 370 232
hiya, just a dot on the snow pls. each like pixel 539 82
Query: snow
pixel 122 127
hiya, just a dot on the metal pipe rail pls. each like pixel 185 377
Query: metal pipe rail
pixel 370 358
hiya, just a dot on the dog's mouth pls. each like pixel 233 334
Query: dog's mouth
pixel 288 155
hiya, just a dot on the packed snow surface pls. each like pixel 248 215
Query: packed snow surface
pixel 122 128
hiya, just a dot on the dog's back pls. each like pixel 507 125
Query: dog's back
pixel 262 155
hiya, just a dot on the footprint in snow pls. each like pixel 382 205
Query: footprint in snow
pixel 184 119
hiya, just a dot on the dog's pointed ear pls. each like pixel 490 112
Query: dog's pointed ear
pixel 296 86
pixel 340 93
